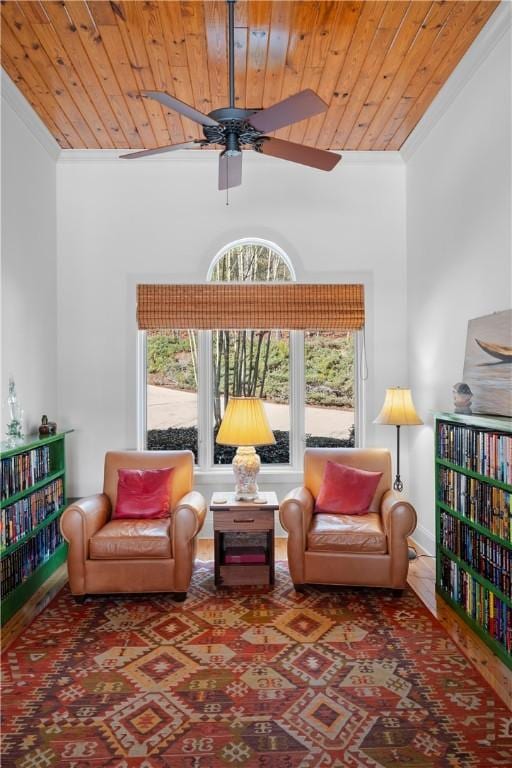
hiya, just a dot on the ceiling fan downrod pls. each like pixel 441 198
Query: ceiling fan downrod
pixel 231 51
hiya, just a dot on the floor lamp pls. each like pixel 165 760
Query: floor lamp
pixel 399 410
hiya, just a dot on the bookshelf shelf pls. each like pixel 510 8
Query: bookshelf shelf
pixel 15 599
pixel 493 644
pixel 27 491
pixel 478 576
pixel 33 484
pixel 480 528
pixel 48 519
pixel 471 473
pixel 473 470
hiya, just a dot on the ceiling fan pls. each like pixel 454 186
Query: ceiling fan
pixel 232 127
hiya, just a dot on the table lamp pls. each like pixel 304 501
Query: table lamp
pixel 399 410
pixel 245 425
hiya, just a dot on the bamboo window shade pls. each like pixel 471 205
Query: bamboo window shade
pixel 239 306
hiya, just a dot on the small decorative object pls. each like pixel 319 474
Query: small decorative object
pixel 15 426
pixel 398 409
pixel 462 395
pixel 47 427
pixel 245 425
pixel 488 363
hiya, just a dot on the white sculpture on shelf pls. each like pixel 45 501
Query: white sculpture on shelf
pixel 15 426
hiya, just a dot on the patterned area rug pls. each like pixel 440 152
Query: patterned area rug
pixel 246 677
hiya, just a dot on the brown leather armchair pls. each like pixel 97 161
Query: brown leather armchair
pixel 367 550
pixel 107 556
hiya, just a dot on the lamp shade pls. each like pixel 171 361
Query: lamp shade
pixel 398 408
pixel 245 423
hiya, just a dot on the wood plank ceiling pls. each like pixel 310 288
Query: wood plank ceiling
pixel 378 65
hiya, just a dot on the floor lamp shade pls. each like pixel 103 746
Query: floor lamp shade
pixel 245 425
pixel 398 410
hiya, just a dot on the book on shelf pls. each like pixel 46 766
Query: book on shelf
pixel 244 555
pixel 482 605
pixel 19 519
pixel 20 564
pixel 19 472
pixel 487 452
pixel 477 500
pixel 489 558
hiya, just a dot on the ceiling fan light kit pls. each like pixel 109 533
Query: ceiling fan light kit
pixel 234 128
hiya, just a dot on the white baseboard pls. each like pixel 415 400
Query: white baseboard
pixel 424 539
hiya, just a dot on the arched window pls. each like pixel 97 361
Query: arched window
pixel 251 260
pixel 306 379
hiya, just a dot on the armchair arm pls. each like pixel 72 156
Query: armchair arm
pixel 78 523
pixel 295 512
pixel 398 515
pixel 187 520
pixel 399 521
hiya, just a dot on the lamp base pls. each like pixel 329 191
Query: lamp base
pixel 398 485
pixel 246 466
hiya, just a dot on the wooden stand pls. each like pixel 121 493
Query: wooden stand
pixel 235 523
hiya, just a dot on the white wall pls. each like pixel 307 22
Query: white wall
pixel 29 270
pixel 123 222
pixel 458 250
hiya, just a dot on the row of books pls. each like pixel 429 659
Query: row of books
pixel 23 516
pixel 481 503
pixel 488 453
pixel 21 563
pixel 491 613
pixel 19 472
pixel 488 558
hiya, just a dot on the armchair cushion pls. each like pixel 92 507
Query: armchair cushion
pixel 346 490
pixel 347 533
pixel 132 540
pixel 143 493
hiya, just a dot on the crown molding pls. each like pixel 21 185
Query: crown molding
pixel 193 155
pixel 12 95
pixel 498 25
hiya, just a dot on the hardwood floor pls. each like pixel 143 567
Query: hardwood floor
pixel 421 580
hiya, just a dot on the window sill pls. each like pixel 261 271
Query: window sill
pixel 284 474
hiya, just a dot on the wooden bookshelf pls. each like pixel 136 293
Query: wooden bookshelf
pixel 473 470
pixel 33 497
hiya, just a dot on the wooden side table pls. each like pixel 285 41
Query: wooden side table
pixel 244 539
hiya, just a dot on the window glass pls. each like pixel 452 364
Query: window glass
pixel 329 387
pixel 171 390
pixel 254 362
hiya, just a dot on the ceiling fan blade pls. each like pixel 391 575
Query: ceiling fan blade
pixel 291 110
pixel 230 171
pixel 299 153
pixel 179 106
pixel 161 150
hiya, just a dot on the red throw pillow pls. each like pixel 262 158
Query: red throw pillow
pixel 142 493
pixel 346 490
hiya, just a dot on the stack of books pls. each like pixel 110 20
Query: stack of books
pixel 244 555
